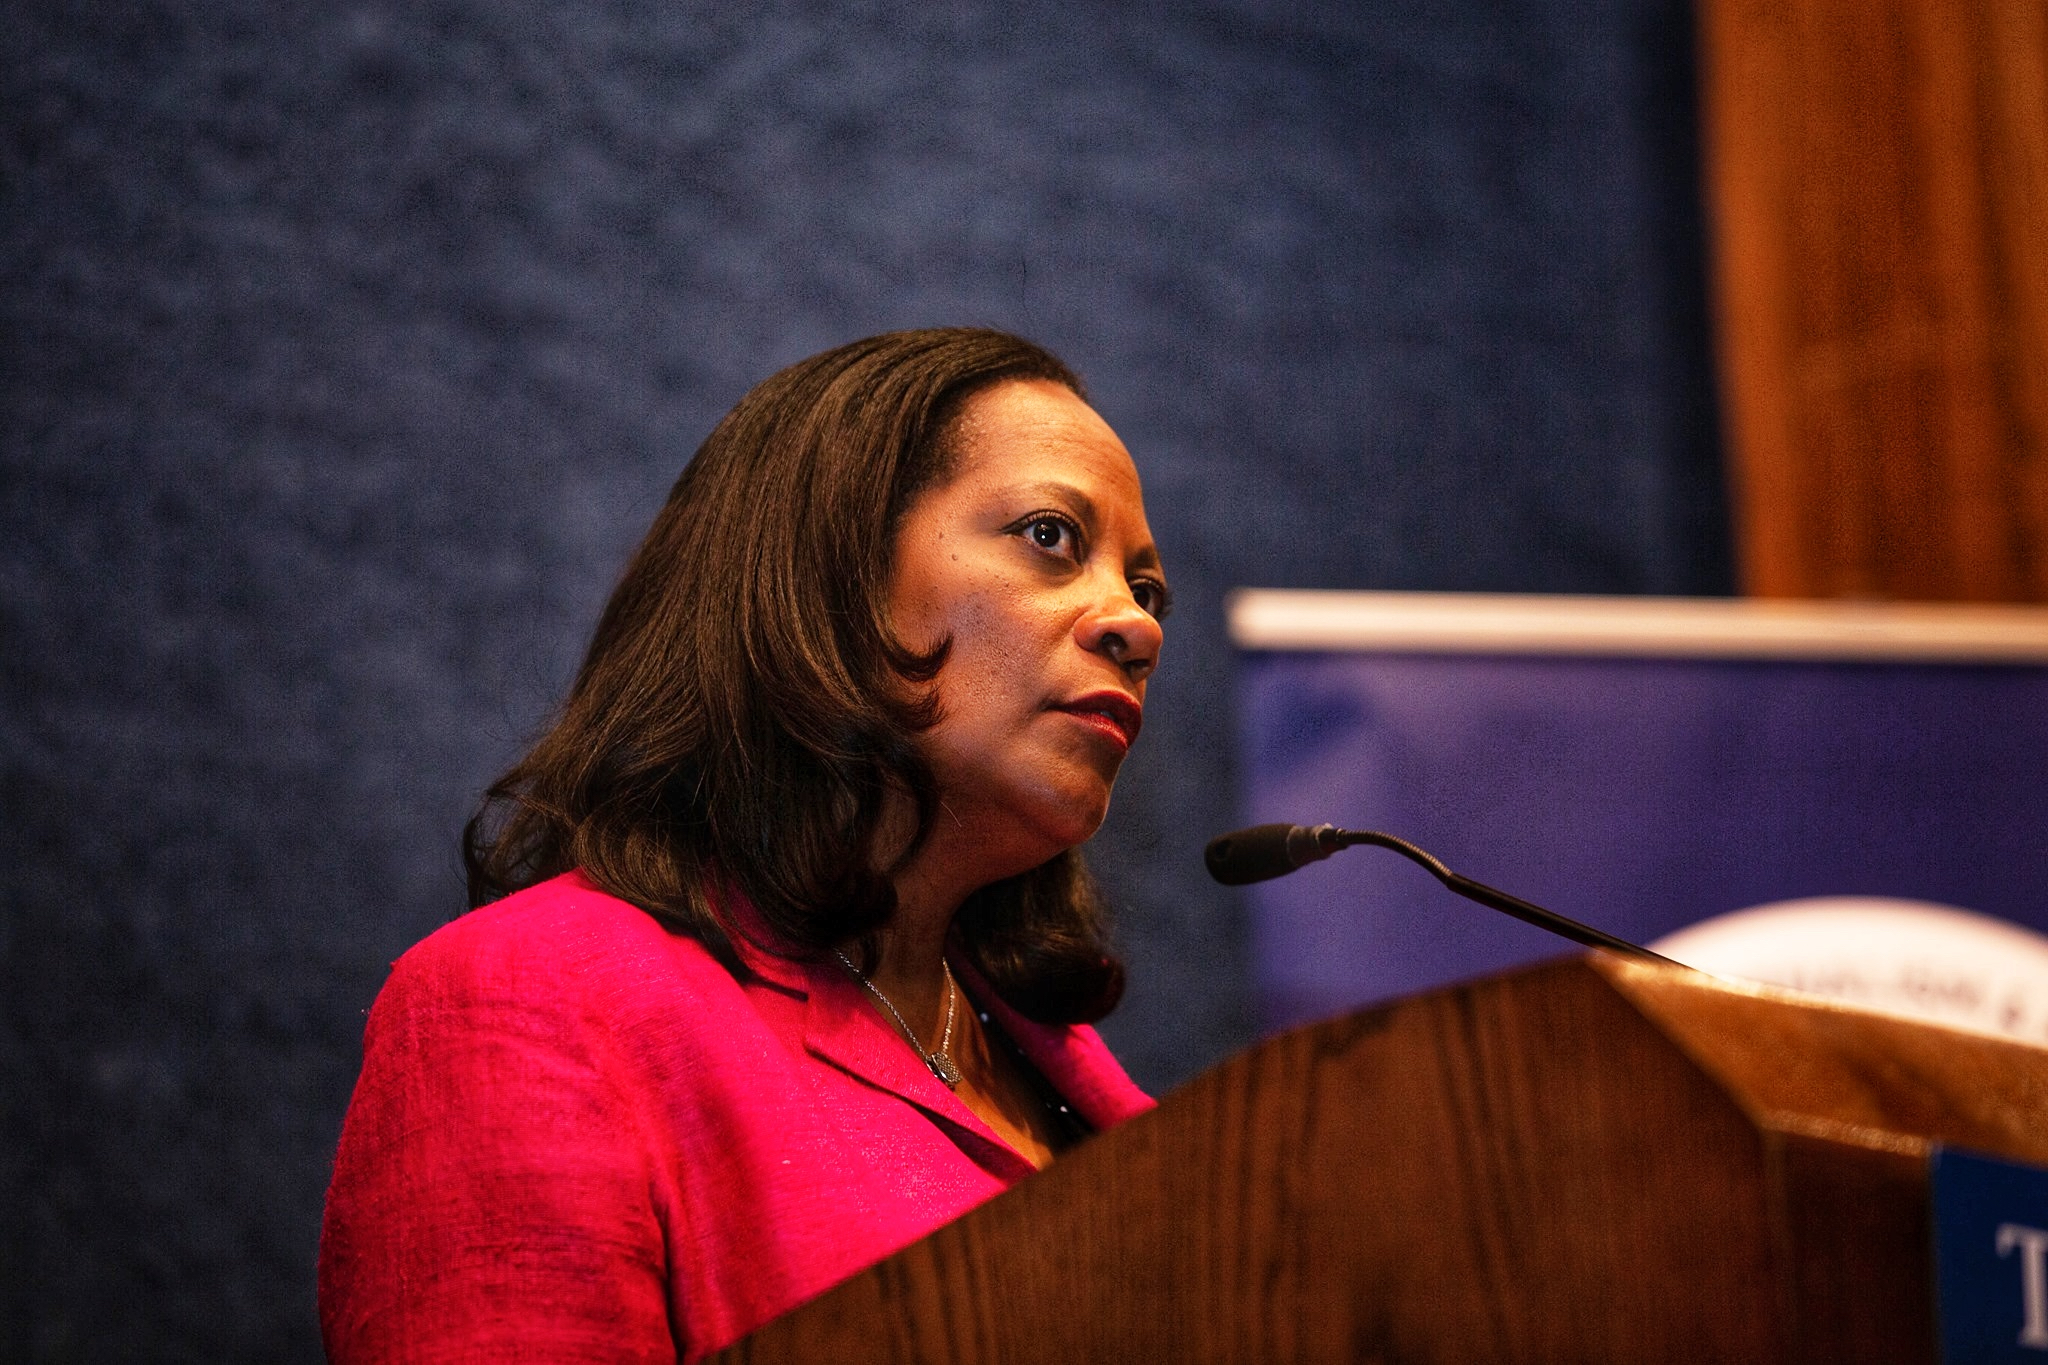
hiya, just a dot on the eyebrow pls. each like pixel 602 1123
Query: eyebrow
pixel 1054 490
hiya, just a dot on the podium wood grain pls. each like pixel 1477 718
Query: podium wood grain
pixel 1589 1160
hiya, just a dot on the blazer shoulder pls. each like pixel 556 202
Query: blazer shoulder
pixel 564 933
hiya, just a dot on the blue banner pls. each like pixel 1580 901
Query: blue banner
pixel 1638 795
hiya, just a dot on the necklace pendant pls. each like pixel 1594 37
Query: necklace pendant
pixel 941 1065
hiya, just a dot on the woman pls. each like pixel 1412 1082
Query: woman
pixel 788 957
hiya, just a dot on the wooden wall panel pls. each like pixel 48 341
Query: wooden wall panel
pixel 1878 179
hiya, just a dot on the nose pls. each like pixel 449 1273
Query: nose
pixel 1116 627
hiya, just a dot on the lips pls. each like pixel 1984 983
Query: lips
pixel 1117 715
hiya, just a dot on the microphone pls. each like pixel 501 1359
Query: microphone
pixel 1264 852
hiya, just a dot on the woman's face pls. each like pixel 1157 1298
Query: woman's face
pixel 1035 560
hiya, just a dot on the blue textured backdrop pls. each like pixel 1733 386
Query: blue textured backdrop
pixel 347 347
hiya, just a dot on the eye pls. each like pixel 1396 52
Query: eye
pixel 1054 532
pixel 1153 597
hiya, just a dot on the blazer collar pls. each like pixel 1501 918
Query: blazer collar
pixel 843 1027
pixel 1075 1059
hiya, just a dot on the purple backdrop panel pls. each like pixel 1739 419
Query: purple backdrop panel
pixel 1637 795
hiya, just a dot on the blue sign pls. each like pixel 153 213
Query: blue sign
pixel 1639 795
pixel 1990 1258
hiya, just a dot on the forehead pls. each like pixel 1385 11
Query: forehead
pixel 1033 432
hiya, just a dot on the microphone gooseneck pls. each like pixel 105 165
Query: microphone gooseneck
pixel 1266 851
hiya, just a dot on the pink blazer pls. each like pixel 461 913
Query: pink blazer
pixel 577 1137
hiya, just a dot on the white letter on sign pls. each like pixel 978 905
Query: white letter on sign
pixel 2033 1245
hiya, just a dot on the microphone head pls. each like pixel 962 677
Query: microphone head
pixel 1260 853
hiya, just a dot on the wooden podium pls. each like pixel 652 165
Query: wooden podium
pixel 1590 1160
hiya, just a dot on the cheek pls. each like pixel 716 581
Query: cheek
pixel 1001 669
pixel 982 667
pixel 999 633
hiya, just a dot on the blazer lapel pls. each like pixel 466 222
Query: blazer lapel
pixel 843 1027
pixel 1076 1060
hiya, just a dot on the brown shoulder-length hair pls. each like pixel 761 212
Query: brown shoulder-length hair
pixel 743 714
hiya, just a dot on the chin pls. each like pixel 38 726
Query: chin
pixel 1069 824
pixel 1023 825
